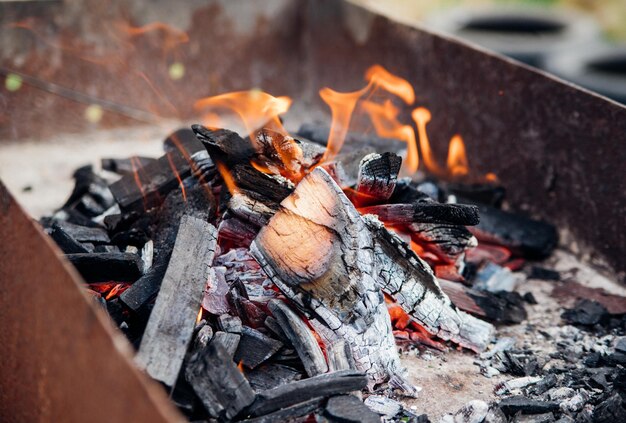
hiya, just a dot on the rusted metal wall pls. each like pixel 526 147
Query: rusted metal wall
pixel 62 359
pixel 559 150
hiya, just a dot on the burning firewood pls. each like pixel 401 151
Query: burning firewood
pixel 377 177
pixel 318 251
pixel 411 282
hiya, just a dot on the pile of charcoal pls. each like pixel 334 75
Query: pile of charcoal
pixel 259 284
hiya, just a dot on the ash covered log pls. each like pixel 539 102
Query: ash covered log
pixel 217 381
pixel 532 238
pixel 318 251
pixel 411 282
pixel 301 338
pixel 171 323
pixel 377 177
pixel 424 212
pixel 304 390
pixel 101 267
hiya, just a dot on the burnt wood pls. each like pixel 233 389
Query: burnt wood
pixel 183 141
pixel 424 212
pixel 148 186
pixel 125 166
pixel 199 203
pixel 349 409
pixel 270 375
pixel 217 381
pixel 102 267
pixel 319 253
pixel 302 409
pixel 446 241
pixel 301 338
pixel 532 238
pixel 410 281
pixel 323 385
pixel 225 146
pixel 65 241
pixel 274 188
pixel 230 342
pixel 377 177
pixel 94 235
pixel 255 348
pixel 172 320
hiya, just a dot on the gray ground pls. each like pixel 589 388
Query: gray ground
pixel 448 380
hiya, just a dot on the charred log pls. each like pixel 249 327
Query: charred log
pixel 424 212
pixel 411 282
pixel 377 177
pixel 171 323
pixel 101 267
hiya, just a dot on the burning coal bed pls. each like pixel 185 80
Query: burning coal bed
pixel 259 282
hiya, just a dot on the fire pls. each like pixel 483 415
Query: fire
pixel 457 159
pixel 391 83
pixel 228 179
pixel 341 107
pixel 199 316
pixel 385 120
pixel 172 38
pixel 240 366
pixel 134 162
pixel 255 108
pixel 422 116
pixel 177 175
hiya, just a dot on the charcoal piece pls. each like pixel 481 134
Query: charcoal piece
pixel 202 338
pixel 613 409
pixel 184 397
pixel 615 304
pixel 520 404
pixel 172 320
pixel 530 298
pixel 183 141
pixel 148 187
pixel 532 238
pixel 228 323
pixel 90 196
pixel 448 242
pixel 274 327
pixel 383 405
pixel 116 311
pixel 95 235
pixel 126 166
pixel 271 187
pixel 199 203
pixel 292 413
pixel 203 168
pixel 255 347
pixel 500 307
pixel 538 272
pixel 407 193
pixel 536 418
pixel 214 300
pixel 217 381
pixel 489 194
pixel 270 375
pixel 349 409
pixel 301 338
pixel 65 241
pixel 493 278
pixel 230 342
pixel 104 248
pixel 586 312
pixel 323 385
pixel 252 207
pixel 377 177
pixel 424 212
pixel 236 231
pixel 409 280
pixel 102 267
pixel 225 146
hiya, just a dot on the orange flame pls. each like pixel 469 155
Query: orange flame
pixel 341 107
pixel 384 117
pixel 391 83
pixel 457 159
pixel 135 165
pixel 229 181
pixel 422 116
pixel 199 316
pixel 255 108
pixel 240 366
pixel 177 175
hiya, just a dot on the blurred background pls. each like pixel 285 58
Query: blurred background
pixel 582 41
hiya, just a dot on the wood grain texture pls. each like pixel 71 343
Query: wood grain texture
pixel 171 323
